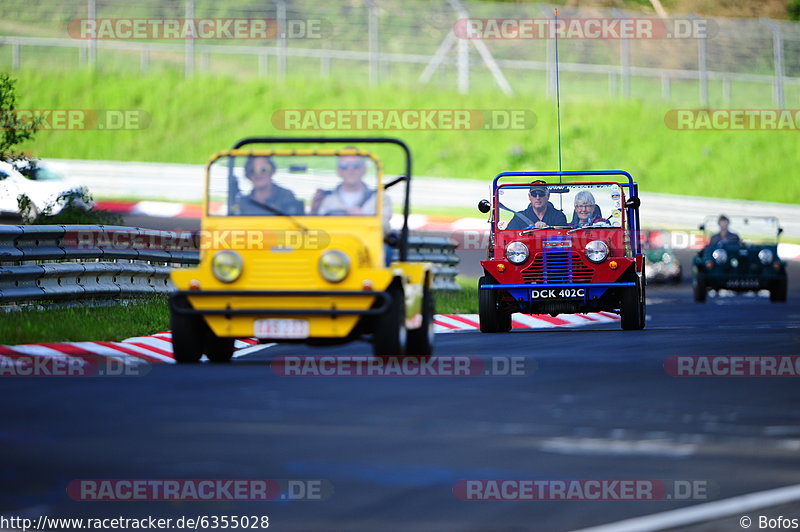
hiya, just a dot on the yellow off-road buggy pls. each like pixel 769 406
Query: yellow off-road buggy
pixel 295 246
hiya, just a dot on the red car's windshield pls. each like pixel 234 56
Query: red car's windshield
pixel 559 205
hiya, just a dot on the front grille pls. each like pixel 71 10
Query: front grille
pixel 558 266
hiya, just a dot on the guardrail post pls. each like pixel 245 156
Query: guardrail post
pixel 777 54
pixel 189 59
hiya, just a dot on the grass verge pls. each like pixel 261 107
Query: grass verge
pixel 79 324
pixel 465 301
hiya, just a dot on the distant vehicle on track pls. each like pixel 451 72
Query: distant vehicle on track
pixel 297 251
pixel 45 188
pixel 741 255
pixel 581 253
pixel 662 265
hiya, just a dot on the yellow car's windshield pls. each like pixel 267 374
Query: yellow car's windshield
pixel 293 185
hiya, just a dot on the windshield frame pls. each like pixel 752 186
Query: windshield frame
pixel 496 203
pixel 711 227
pixel 300 152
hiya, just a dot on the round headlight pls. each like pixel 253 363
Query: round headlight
pixel 334 266
pixel 765 256
pixel 517 252
pixel 596 251
pixel 227 266
pixel 720 255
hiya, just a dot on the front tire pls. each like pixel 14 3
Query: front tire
pixel 390 334
pixel 187 337
pixel 218 350
pixel 492 320
pixel 699 288
pixel 420 341
pixel 632 307
pixel 777 294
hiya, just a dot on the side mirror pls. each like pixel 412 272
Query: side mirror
pixel 633 203
pixel 392 239
pixel 780 230
pixel 484 206
pixel 702 227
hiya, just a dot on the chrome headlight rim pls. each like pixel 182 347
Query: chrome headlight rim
pixel 596 251
pixel 517 252
pixel 766 256
pixel 720 256
pixel 236 266
pixel 343 265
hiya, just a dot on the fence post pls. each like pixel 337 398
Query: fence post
pixel 281 5
pixel 666 88
pixel 726 90
pixel 189 60
pixel 702 66
pixel 92 43
pixel 624 60
pixel 263 64
pixel 15 56
pixel 777 54
pixel 325 67
pixel 374 42
pixel 144 60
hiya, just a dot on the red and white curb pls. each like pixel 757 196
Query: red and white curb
pixel 469 322
pixel 157 348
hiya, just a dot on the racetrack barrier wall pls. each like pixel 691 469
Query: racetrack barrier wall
pixel 80 262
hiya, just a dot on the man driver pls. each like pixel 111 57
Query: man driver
pixel 540 212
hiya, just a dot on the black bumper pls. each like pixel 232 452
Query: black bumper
pixel 179 304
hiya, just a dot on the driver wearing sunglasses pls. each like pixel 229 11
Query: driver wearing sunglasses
pixel 540 213
pixel 352 197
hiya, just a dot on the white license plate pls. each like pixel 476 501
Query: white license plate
pixel 557 293
pixel 280 328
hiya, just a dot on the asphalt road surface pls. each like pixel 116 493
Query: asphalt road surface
pixel 597 403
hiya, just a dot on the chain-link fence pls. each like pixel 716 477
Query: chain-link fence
pixel 752 62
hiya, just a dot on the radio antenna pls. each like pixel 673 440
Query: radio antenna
pixel 558 103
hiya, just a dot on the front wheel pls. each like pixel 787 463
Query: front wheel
pixel 420 341
pixel 389 335
pixel 777 293
pixel 632 307
pixel 218 349
pixel 492 320
pixel 699 288
pixel 187 337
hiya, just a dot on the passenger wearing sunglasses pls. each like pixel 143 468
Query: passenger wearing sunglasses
pixel 266 197
pixel 540 213
pixel 352 197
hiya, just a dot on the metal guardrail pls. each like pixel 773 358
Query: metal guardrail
pixel 441 251
pixel 70 262
pixel 73 262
